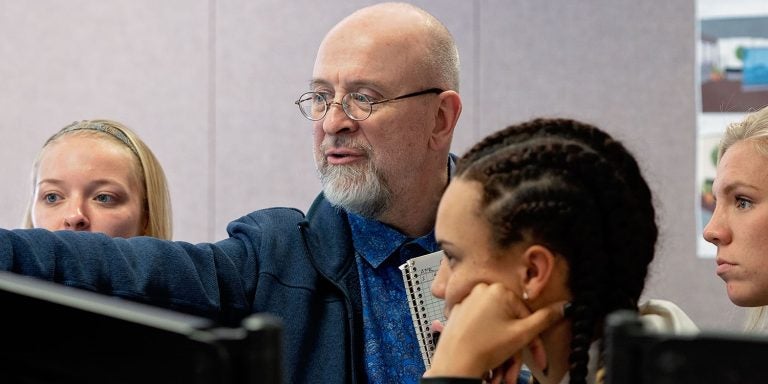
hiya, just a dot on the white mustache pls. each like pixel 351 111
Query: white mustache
pixel 344 142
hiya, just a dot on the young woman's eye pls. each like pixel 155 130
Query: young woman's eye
pixel 104 198
pixel 449 258
pixel 742 203
pixel 51 198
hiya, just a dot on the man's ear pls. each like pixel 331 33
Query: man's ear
pixel 447 115
pixel 539 264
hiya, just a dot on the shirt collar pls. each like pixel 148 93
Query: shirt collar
pixel 374 240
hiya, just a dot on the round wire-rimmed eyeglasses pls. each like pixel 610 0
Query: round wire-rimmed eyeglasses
pixel 315 105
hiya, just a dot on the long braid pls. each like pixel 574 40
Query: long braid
pixel 572 188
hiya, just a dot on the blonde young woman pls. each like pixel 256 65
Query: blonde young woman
pixel 739 223
pixel 99 176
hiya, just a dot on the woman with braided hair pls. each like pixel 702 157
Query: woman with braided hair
pixel 540 214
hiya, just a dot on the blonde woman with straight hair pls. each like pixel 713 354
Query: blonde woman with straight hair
pixel 99 176
pixel 740 221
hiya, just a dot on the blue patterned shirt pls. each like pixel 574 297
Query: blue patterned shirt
pixel 391 348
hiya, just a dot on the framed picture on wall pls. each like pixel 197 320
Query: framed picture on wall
pixel 732 72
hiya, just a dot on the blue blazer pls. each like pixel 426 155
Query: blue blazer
pixel 275 260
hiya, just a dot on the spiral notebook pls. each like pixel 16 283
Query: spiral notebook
pixel 418 274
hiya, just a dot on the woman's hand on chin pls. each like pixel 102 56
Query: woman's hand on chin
pixel 488 331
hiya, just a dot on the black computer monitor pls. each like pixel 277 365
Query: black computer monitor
pixel 636 355
pixel 52 333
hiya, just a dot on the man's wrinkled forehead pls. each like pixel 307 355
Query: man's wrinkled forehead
pixel 349 69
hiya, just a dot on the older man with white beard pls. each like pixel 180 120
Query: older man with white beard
pixel 384 104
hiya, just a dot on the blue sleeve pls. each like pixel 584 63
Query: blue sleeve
pixel 215 280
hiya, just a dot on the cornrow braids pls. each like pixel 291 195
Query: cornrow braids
pixel 571 187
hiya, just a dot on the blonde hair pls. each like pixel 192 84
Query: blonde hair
pixel 754 128
pixel 157 200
